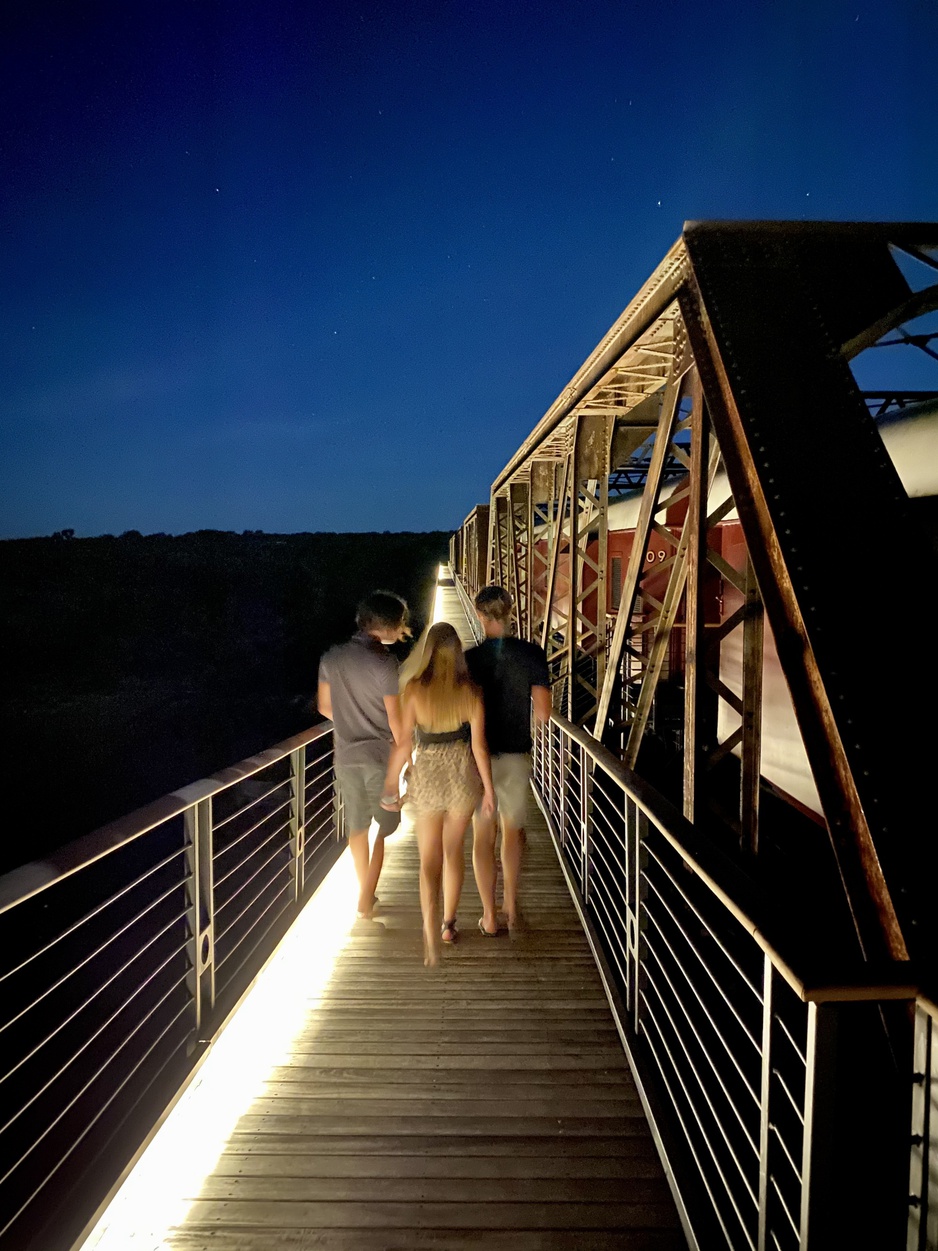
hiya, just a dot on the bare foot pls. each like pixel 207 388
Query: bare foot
pixel 366 908
pixel 431 951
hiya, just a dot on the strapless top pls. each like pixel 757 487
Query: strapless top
pixel 426 737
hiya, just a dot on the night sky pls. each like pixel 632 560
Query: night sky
pixel 297 266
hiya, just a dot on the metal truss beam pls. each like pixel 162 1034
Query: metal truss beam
pixel 755 322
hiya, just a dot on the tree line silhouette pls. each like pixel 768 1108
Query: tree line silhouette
pixel 140 663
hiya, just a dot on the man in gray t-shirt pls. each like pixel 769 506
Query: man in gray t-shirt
pixel 358 689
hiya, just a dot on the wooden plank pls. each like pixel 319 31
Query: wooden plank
pixel 535 1146
pixel 433 1103
pixel 524 1093
pixel 341 1074
pixel 557 1127
pixel 305 1189
pixel 262 1162
pixel 214 1238
pixel 388 1215
pixel 504 1057
pixel 607 1053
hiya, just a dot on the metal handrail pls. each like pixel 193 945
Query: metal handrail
pixel 21 883
pixel 468 608
pixel 734 1045
pixel 123 958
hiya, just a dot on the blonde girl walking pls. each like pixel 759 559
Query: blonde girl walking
pixel 442 715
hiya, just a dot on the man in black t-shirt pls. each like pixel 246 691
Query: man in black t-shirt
pixel 513 676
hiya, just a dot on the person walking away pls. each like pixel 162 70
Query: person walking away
pixel 441 711
pixel 513 676
pixel 358 689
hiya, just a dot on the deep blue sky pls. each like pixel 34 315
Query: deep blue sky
pixel 296 266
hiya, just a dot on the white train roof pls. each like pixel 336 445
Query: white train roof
pixel 910 438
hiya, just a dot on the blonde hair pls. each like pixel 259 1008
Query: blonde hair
pixel 438 682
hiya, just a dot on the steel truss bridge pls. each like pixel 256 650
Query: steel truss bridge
pixel 718 1032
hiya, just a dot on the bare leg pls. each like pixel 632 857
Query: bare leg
pixel 358 846
pixel 485 869
pixel 454 861
pixel 430 843
pixel 512 855
pixel 367 869
pixel 370 887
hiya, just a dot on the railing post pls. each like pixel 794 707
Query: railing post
pixel 200 914
pixel 586 813
pixel 856 1125
pixel 638 892
pixel 553 768
pixel 923 1164
pixel 297 819
pixel 764 1109
pixel 817 1170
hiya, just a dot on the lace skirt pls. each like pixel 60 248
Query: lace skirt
pixel 443 778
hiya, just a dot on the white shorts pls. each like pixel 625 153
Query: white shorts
pixel 511 779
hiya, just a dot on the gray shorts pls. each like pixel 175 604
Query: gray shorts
pixel 511 778
pixel 361 787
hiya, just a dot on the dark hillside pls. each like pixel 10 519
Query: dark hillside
pixel 135 665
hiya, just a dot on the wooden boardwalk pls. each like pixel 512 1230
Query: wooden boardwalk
pixel 482 1104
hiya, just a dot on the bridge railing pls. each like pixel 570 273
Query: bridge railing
pixel 759 1085
pixel 122 956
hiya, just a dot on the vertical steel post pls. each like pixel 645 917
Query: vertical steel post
pixel 566 759
pixel 923 1217
pixel 586 814
pixel 696 695
pixel 764 1103
pixel 818 1220
pixel 640 891
pixel 751 753
pixel 200 915
pixel 297 821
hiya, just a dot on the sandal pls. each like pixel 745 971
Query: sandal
pixel 486 933
pixel 448 934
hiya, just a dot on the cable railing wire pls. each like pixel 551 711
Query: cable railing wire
pixel 91 956
pixel 96 911
pixel 704 922
pixel 714 981
pixel 223 822
pixel 279 850
pixel 710 1059
pixel 93 1121
pixel 97 1033
pixel 280 853
pixel 82 1007
pixel 692 1065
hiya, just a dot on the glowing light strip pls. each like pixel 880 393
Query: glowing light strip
pixel 168 1177
pixel 441 573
